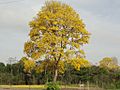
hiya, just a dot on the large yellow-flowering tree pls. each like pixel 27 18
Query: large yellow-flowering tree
pixel 57 35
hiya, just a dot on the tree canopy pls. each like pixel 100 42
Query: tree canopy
pixel 109 63
pixel 57 35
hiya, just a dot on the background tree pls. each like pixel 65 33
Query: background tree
pixel 96 75
pixel 2 67
pixel 28 69
pixel 109 63
pixel 57 35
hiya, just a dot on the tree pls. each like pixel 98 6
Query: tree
pixel 28 66
pixel 2 67
pixel 109 63
pixel 57 35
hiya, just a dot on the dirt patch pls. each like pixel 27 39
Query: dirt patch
pixel 71 89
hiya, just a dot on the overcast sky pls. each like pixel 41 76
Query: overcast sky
pixel 102 19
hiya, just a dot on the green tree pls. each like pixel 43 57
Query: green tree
pixel 2 67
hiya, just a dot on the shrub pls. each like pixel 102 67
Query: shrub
pixel 52 86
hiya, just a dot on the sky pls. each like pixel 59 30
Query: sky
pixel 102 19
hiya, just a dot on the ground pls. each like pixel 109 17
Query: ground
pixel 43 89
pixel 40 87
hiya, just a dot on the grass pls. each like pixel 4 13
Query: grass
pixel 42 87
pixel 23 86
pixel 35 86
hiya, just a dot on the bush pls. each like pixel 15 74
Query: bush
pixel 52 86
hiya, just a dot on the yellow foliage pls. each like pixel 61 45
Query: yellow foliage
pixel 49 65
pixel 109 63
pixel 77 63
pixel 61 66
pixel 57 33
pixel 28 64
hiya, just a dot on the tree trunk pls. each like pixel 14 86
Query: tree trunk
pixel 55 75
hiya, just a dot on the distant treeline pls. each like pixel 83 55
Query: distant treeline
pixel 95 75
